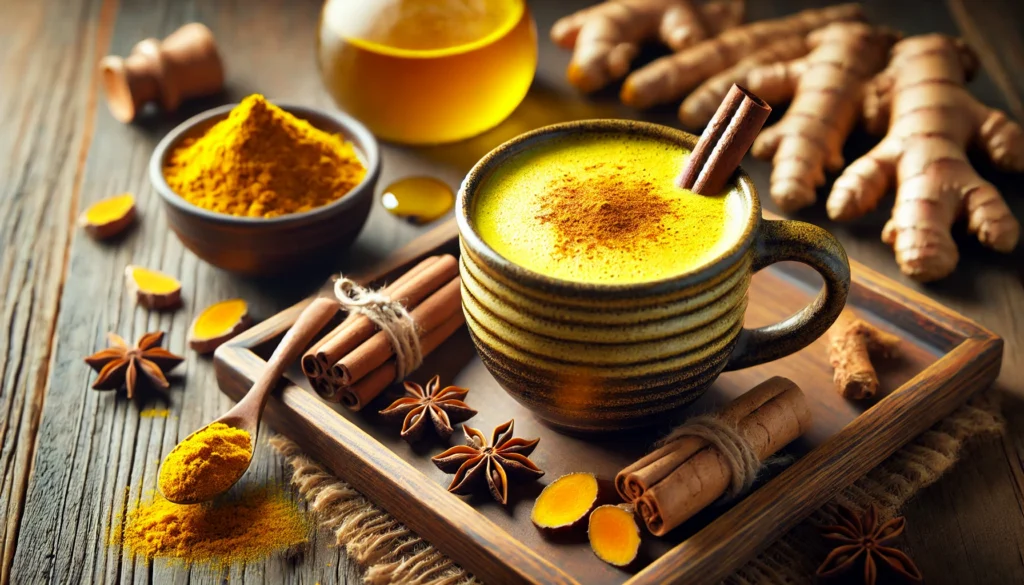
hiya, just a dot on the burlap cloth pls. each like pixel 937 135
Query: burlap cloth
pixel 391 553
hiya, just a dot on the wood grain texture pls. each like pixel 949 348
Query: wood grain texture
pixel 69 454
pixel 47 106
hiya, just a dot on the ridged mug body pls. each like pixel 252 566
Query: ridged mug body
pixel 586 364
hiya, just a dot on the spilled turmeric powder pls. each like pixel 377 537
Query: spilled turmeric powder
pixel 205 464
pixel 262 161
pixel 250 527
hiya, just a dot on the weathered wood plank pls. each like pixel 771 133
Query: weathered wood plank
pixel 47 105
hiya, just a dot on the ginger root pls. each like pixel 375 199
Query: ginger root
pixel 218 323
pixel 669 78
pixel 931 119
pixel 607 37
pixel 152 289
pixel 851 343
pixel 565 502
pixel 614 534
pixel 699 107
pixel 108 217
pixel 828 86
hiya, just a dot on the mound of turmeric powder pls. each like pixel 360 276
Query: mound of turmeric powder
pixel 205 464
pixel 249 528
pixel 262 161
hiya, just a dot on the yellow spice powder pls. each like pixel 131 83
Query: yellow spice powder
pixel 262 161
pixel 155 413
pixel 251 527
pixel 205 464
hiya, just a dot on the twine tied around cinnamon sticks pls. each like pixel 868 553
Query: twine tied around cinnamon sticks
pixel 389 316
pixel 716 455
pixel 386 333
pixel 723 435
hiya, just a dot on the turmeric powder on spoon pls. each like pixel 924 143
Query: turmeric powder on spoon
pixel 205 464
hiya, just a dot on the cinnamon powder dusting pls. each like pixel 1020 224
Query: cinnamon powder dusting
pixel 603 210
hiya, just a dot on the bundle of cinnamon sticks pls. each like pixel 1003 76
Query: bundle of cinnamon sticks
pixel 671 484
pixel 355 362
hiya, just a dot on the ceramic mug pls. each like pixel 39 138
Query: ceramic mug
pixel 590 357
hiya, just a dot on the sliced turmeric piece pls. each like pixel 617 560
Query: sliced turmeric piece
pixel 614 534
pixel 218 323
pixel 152 289
pixel 108 217
pixel 565 502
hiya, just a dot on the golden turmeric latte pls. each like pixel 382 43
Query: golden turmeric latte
pixel 604 208
pixel 247 528
pixel 205 464
pixel 263 162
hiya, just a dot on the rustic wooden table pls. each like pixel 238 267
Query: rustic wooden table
pixel 72 458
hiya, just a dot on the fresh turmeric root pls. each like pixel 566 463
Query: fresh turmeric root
pixel 828 86
pixel 670 78
pixel 698 107
pixel 851 343
pixel 607 37
pixel 931 118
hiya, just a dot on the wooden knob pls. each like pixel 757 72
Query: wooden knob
pixel 185 65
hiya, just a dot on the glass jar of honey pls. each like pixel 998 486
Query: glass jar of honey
pixel 427 71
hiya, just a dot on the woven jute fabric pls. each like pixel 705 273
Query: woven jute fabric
pixel 391 553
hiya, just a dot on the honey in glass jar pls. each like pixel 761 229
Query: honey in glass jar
pixel 427 71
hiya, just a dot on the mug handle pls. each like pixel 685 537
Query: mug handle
pixel 782 240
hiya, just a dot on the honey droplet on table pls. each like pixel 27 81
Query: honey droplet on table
pixel 419 200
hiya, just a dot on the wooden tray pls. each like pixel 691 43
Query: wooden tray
pixel 945 359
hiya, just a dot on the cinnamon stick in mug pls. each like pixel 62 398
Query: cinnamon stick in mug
pixel 314 369
pixel 684 480
pixel 724 142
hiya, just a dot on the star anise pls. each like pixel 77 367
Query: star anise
pixel 441 407
pixel 119 365
pixel 503 459
pixel 863 541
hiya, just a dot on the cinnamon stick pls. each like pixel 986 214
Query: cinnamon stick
pixel 372 354
pixel 314 369
pixel 634 480
pixel 357 396
pixel 409 293
pixel 328 387
pixel 724 142
pixel 781 415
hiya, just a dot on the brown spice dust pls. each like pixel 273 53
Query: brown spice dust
pixel 609 210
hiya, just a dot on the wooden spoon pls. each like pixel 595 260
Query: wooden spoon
pixel 246 414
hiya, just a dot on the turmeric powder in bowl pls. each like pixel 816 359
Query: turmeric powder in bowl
pixel 205 464
pixel 262 161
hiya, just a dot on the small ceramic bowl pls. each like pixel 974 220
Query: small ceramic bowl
pixel 258 246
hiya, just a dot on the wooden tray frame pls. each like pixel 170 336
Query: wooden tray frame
pixel 971 360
